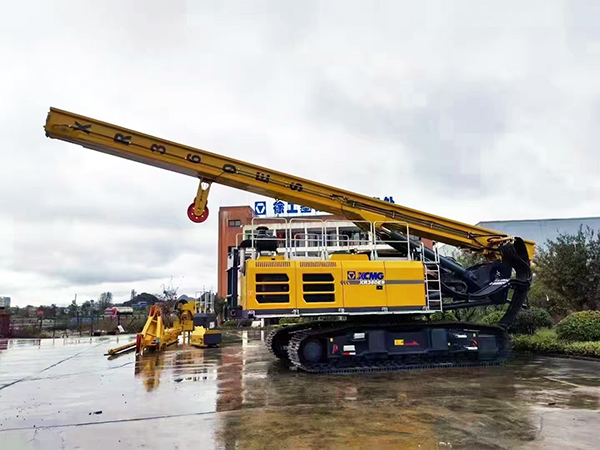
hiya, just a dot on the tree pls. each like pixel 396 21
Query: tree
pixel 133 294
pixel 86 309
pixel 569 270
pixel 220 306
pixel 467 259
pixel 169 293
pixel 105 300
pixel 145 297
pixel 167 301
pixel 72 309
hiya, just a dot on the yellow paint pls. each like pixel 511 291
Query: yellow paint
pixel 402 284
pixel 366 295
pixel 308 291
pixel 398 342
pixel 197 336
pixel 411 289
pixel 258 290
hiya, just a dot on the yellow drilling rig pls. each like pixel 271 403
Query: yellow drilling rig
pixel 384 303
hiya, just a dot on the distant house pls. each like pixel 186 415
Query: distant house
pixel 4 302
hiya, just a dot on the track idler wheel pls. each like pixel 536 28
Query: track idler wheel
pixel 312 351
pixel 194 217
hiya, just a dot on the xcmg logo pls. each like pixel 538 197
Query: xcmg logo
pixel 353 275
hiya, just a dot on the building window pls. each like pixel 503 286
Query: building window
pixel 235 223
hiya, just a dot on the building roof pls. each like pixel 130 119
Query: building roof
pixel 542 230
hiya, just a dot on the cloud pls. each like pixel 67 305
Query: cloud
pixel 444 138
pixel 470 111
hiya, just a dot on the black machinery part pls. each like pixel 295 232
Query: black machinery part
pixel 342 347
pixel 204 319
pixel 478 285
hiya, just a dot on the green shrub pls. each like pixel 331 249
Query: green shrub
pixel 546 341
pixel 583 349
pixel 530 320
pixel 526 322
pixel 493 318
pixel 292 320
pixel 447 316
pixel 580 326
pixel 543 341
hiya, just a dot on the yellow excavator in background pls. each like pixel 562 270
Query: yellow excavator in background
pixel 197 325
pixel 383 302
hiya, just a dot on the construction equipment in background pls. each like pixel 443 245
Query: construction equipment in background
pixel 204 335
pixel 385 303
pixel 118 350
pixel 155 336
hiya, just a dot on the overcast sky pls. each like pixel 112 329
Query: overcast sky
pixel 474 110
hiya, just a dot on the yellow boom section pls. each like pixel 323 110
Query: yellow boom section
pixel 211 167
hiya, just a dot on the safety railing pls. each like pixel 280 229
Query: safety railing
pixel 393 224
pixel 358 239
pixel 307 244
pixel 433 283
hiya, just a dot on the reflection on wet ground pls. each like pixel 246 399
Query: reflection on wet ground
pixel 66 394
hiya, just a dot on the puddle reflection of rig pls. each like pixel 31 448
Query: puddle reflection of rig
pixel 195 325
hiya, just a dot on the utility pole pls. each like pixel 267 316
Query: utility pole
pixel 92 312
pixel 77 312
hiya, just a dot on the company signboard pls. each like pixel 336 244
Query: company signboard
pixel 277 208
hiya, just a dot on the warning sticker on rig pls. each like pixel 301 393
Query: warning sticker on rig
pixel 398 341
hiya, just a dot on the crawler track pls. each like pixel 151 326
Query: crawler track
pixel 359 364
pixel 278 339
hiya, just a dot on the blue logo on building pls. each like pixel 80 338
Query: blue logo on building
pixel 279 208
pixel 260 208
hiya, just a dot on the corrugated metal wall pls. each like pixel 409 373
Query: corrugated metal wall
pixel 542 230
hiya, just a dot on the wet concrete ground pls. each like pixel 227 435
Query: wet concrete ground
pixel 66 394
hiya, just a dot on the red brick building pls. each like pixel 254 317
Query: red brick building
pixel 231 222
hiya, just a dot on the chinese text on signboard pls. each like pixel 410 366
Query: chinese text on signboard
pixel 279 208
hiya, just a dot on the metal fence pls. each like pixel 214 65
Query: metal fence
pixel 32 327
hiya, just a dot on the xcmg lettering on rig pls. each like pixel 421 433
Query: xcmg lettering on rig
pixel 352 275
